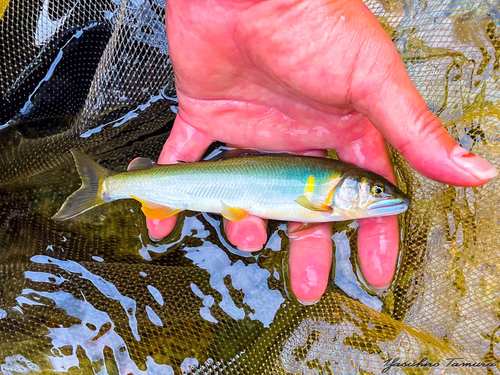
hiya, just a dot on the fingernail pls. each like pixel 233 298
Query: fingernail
pixel 248 236
pixel 158 229
pixel 473 164
pixel 154 239
pixel 378 289
pixel 250 243
pixel 248 250
pixel 309 303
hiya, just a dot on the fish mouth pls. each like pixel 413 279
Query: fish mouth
pixel 389 207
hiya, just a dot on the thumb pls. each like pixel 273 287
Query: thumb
pixel 396 108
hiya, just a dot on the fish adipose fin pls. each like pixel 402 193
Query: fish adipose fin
pixel 89 194
pixel 313 205
pixel 233 213
pixel 140 164
pixel 156 211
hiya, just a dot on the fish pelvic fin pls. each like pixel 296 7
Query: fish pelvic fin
pixel 305 226
pixel 313 205
pixel 90 193
pixel 233 213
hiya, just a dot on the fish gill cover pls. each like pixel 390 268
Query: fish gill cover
pixel 95 295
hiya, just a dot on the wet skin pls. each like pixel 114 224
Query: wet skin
pixel 304 76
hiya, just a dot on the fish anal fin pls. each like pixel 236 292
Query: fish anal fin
pixel 156 211
pixel 305 226
pixel 233 213
pixel 313 205
pixel 140 163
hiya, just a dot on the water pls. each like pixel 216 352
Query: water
pixel 94 294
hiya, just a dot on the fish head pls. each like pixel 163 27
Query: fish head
pixel 363 194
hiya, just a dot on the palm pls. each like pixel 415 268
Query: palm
pixel 251 90
pixel 304 76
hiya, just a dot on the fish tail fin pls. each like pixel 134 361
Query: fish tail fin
pixel 90 193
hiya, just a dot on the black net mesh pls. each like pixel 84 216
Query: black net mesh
pixel 95 295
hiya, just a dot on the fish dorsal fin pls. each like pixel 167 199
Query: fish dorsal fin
pixel 155 210
pixel 233 213
pixel 140 163
pixel 313 205
pixel 224 153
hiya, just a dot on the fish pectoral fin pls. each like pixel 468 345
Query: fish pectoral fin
pixel 313 205
pixel 140 163
pixel 233 213
pixel 305 226
pixel 156 211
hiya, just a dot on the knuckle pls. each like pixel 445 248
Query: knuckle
pixel 426 130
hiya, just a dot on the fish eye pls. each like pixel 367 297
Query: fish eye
pixel 377 189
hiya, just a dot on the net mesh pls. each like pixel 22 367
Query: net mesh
pixel 94 295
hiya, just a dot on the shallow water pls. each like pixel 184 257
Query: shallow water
pixel 96 292
pixel 98 285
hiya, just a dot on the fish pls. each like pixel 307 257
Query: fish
pixel 283 187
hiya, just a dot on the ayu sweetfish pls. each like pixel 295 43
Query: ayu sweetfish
pixel 273 186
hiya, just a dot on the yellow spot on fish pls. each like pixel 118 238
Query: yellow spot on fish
pixel 308 191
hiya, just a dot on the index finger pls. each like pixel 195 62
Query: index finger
pixel 395 107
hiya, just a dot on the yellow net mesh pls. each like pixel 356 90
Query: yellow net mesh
pixel 94 295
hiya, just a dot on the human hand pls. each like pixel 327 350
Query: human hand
pixel 304 76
